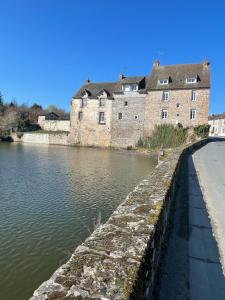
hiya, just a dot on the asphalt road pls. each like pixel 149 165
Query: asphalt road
pixel 191 267
pixel 210 165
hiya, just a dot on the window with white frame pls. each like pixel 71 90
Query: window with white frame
pixel 125 103
pixel 101 102
pixel 191 80
pixel 120 116
pixel 224 123
pixel 165 95
pixel 163 81
pixel 193 114
pixel 223 131
pixel 164 114
pixel 101 118
pixel 130 87
pixel 193 96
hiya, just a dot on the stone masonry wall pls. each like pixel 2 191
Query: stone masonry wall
pixel 54 125
pixel 88 131
pixel 154 105
pixel 129 129
pixel 41 138
pixel 119 261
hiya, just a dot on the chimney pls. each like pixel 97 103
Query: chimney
pixel 206 63
pixel 121 77
pixel 156 64
pixel 87 81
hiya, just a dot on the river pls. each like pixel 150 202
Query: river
pixel 50 198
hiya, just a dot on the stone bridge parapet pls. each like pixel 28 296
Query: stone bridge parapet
pixel 120 260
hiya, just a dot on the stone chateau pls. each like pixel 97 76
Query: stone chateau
pixel 118 113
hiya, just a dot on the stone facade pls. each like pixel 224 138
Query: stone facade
pixel 87 130
pixel 53 125
pixel 179 106
pixel 217 125
pixel 118 113
pixel 41 138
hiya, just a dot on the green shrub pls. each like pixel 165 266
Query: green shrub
pixel 202 131
pixel 166 136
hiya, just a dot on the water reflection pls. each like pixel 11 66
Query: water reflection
pixel 50 197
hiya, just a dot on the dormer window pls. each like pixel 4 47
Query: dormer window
pixel 163 81
pixel 130 87
pixel 190 80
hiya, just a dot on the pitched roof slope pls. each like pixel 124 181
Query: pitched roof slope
pixel 217 117
pixel 95 88
pixel 177 75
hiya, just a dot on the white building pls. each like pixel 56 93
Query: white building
pixel 217 125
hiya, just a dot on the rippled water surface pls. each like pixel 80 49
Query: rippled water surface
pixel 50 197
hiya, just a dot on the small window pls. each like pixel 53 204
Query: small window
pixel 223 130
pixel 130 87
pixel 193 95
pixel 126 88
pixel 134 87
pixel 165 96
pixel 136 117
pixel 163 81
pixel 80 115
pixel 101 118
pixel 191 80
pixel 83 102
pixel 120 116
pixel 125 103
pixel 164 114
pixel 178 115
pixel 193 114
pixel 178 105
pixel 101 102
pixel 223 122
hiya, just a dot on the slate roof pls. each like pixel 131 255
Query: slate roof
pixel 217 117
pixel 95 88
pixel 176 74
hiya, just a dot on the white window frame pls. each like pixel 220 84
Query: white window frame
pixel 132 87
pixel 163 81
pixel 165 96
pixel 193 114
pixel 193 95
pixel 164 114
pixel 100 119
pixel 190 80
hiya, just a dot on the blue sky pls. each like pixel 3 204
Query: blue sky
pixel 49 47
